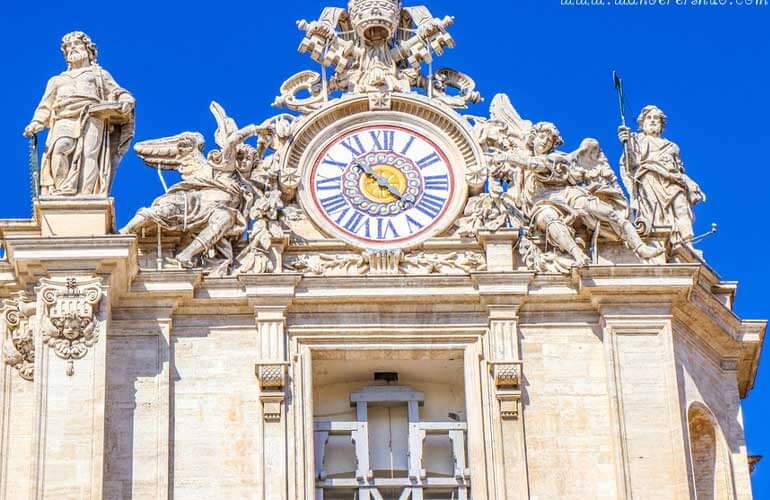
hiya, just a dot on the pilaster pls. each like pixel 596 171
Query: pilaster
pixel 271 296
pixel 503 383
pixel 635 307
pixel 70 384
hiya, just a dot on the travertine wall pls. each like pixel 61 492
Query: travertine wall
pixel 606 395
pixel 566 411
pixel 17 405
pixel 135 419
pixel 216 408
pixel 711 388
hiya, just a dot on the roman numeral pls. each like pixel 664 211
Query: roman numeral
pixel 384 228
pixel 408 145
pixel 437 182
pixel 356 222
pixel 383 139
pixel 323 184
pixel 330 161
pixel 429 160
pixel 430 205
pixel 354 145
pixel 333 203
pixel 414 226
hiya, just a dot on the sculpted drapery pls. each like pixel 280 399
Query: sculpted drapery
pixel 90 122
pixel 661 192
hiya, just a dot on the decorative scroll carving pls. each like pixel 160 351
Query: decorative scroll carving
pixel 90 119
pixel 447 78
pixel 272 380
pixel 507 378
pixel 379 263
pixel 304 81
pixel 69 324
pixel 19 341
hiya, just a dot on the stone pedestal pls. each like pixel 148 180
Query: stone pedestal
pixel 60 216
pixel 498 247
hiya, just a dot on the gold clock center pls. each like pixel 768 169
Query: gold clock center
pixel 376 193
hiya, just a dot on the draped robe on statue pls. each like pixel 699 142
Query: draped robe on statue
pixel 655 194
pixel 99 141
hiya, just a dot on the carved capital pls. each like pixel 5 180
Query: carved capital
pixel 507 378
pixel 272 381
pixel 18 340
pixel 68 322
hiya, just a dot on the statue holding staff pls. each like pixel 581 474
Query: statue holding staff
pixel 90 122
pixel 662 193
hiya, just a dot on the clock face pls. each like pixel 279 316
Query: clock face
pixel 382 185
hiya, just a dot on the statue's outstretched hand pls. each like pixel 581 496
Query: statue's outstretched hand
pixel 33 128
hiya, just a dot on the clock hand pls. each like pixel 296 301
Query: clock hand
pixel 381 181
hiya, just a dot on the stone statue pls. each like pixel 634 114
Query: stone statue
pixel 90 122
pixel 376 47
pixel 558 191
pixel 552 191
pixel 661 192
pixel 212 202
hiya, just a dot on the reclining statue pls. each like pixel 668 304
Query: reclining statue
pixel 215 195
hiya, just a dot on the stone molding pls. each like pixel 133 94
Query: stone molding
pixel 69 323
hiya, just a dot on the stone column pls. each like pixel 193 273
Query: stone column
pixel 650 451
pixel 502 385
pixel 73 314
pixel 271 295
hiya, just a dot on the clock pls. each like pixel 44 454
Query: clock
pixel 382 184
pixel 382 180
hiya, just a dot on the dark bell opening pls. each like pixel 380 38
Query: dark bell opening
pixel 389 377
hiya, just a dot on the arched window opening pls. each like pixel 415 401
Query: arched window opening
pixel 710 462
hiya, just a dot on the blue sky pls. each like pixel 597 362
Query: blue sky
pixel 706 66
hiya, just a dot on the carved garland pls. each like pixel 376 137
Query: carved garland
pixel 69 321
pixel 19 341
pixel 387 263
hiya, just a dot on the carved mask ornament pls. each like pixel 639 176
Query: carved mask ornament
pixel 70 322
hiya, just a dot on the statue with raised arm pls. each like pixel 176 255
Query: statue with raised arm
pixel 211 203
pixel 90 122
pixel 559 191
pixel 552 191
pixel 661 192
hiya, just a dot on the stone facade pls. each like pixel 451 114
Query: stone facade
pixel 463 311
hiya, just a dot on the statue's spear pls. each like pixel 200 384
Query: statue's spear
pixel 618 82
pixel 34 168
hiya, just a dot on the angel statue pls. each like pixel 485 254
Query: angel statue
pixel 212 202
pixel 555 191
pixel 661 192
